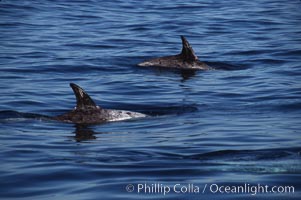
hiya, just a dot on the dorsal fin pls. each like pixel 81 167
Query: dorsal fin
pixel 83 100
pixel 187 51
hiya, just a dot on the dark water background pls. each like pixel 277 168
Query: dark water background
pixel 227 127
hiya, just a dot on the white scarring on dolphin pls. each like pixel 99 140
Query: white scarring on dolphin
pixel 87 112
pixel 185 60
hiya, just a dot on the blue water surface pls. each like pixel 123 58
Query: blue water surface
pixel 239 125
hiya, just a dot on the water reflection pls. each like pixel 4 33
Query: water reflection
pixel 83 133
pixel 184 73
pixel 187 74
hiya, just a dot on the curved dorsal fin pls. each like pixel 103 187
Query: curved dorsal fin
pixel 187 51
pixel 83 100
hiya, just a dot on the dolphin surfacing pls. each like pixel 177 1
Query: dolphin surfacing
pixel 187 59
pixel 87 112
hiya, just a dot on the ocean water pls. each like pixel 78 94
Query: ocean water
pixel 238 126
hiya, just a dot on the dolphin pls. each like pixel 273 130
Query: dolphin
pixel 87 112
pixel 185 60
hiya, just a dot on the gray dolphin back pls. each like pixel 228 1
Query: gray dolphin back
pixel 87 112
pixel 187 59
